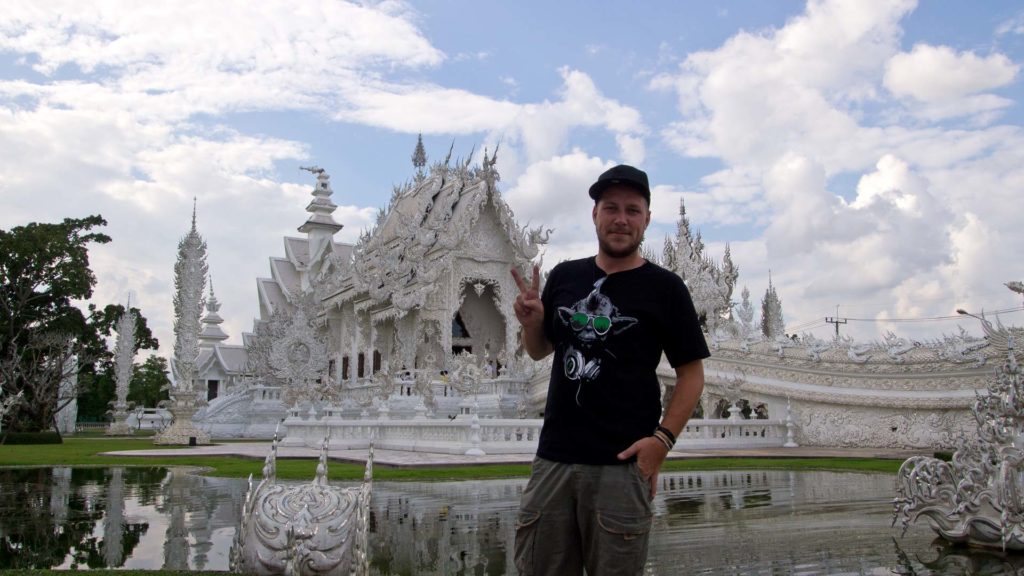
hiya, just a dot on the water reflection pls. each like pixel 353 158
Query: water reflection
pixel 726 522
pixel 116 517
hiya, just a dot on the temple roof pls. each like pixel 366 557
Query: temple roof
pixel 427 221
pixel 270 295
pixel 230 359
pixel 297 250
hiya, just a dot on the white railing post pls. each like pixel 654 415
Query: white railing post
pixel 790 426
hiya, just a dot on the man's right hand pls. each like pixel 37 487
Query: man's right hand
pixel 528 306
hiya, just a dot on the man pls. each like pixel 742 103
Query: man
pixel 607 318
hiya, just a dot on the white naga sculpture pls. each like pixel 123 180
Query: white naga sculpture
pixel 978 497
pixel 310 529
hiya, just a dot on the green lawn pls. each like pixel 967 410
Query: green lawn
pixel 85 452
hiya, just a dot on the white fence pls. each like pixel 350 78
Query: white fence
pixel 502 436
pixel 707 434
pixel 456 436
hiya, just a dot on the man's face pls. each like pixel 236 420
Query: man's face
pixel 620 217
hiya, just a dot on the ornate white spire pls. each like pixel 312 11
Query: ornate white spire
pixel 189 280
pixel 124 355
pixel 745 312
pixel 212 332
pixel 190 273
pixel 710 284
pixel 320 227
pixel 321 207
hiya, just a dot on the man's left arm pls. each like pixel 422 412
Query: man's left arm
pixel 650 451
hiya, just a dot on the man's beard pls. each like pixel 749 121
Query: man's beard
pixel 623 252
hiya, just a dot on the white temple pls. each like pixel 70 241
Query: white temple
pixel 377 326
pixel 409 337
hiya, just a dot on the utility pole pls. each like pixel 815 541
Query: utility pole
pixel 836 320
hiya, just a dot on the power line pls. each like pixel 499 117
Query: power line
pixel 816 323
pixel 806 325
pixel 934 318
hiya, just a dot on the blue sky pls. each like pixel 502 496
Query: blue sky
pixel 868 153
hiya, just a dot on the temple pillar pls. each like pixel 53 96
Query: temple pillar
pixel 353 353
pixel 372 345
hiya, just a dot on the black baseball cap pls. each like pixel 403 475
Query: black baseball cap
pixel 624 175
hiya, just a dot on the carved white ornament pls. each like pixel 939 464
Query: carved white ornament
pixel 312 529
pixel 300 358
pixel 976 498
pixel 124 355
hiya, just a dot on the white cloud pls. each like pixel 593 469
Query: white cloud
pixel 763 95
pixel 542 129
pixel 553 192
pixel 192 36
pixel 1014 25
pixel 121 125
pixel 631 148
pixel 787 110
pixel 427 109
pixel 947 82
pixel 478 56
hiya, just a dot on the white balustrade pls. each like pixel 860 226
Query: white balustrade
pixel 497 436
pixel 504 435
pixel 725 433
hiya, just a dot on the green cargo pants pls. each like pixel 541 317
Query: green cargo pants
pixel 576 516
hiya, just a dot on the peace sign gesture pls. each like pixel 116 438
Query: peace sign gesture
pixel 529 311
pixel 528 307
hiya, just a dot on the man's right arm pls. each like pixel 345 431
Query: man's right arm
pixel 536 343
pixel 529 309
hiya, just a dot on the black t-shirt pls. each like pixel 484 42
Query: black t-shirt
pixel 609 332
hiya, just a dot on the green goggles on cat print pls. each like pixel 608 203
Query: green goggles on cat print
pixel 601 324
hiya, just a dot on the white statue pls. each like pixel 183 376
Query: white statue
pixel 976 498
pixel 305 530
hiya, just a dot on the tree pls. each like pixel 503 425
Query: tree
pixel 419 155
pixel 772 324
pixel 44 338
pixel 43 268
pixel 149 382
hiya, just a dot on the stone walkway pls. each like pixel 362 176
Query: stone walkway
pixel 398 458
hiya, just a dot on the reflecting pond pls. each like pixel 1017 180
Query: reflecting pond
pixel 721 522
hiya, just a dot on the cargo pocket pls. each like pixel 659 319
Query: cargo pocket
pixel 526 536
pixel 623 541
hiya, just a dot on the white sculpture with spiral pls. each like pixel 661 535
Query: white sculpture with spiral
pixel 310 529
pixel 978 497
